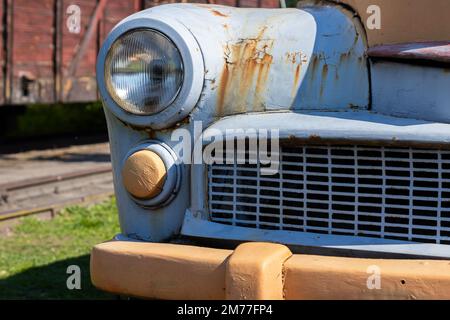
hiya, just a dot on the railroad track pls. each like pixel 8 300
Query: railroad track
pixel 51 193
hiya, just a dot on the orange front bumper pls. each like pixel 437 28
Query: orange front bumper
pixel 259 271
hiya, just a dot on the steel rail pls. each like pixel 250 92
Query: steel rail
pixel 48 180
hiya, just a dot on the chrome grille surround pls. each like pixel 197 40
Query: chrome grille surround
pixel 366 191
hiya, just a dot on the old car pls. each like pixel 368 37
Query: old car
pixel 292 153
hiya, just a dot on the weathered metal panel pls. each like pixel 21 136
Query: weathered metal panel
pixel 337 77
pixel 411 90
pixel 140 223
pixel 253 66
pixel 341 127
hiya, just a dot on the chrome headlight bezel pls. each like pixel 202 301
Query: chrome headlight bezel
pixel 193 77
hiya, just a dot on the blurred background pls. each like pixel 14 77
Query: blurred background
pixel 56 193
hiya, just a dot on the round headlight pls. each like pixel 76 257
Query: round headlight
pixel 143 71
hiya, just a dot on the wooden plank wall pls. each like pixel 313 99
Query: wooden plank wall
pixel 236 3
pixel 2 53
pixel 80 85
pixel 32 35
pixel 49 47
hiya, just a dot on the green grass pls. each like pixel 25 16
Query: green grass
pixel 35 257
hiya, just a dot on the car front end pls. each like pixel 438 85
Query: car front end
pixel 274 154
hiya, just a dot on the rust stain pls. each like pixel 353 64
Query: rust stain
pixel 298 68
pixel 314 63
pixel 290 57
pixel 244 75
pixel 297 74
pixel 324 71
pixel 263 74
pixel 314 138
pixel 297 59
pixel 324 78
pixel 218 13
pixel 156 134
pixel 261 32
pixel 344 57
pixel 312 70
pixel 151 134
pixel 222 89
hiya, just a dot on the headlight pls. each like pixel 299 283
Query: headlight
pixel 143 71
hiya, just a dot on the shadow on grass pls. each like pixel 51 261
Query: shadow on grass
pixel 49 282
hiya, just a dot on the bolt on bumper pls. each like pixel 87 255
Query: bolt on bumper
pixel 256 270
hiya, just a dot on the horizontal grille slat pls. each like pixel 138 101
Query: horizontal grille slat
pixel 385 192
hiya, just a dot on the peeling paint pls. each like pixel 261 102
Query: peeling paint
pixel 218 13
pixel 244 75
pixel 297 59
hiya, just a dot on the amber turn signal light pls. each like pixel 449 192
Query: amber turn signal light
pixel 144 174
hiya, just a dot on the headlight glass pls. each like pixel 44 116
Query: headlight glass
pixel 143 71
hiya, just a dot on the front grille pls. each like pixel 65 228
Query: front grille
pixel 382 192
